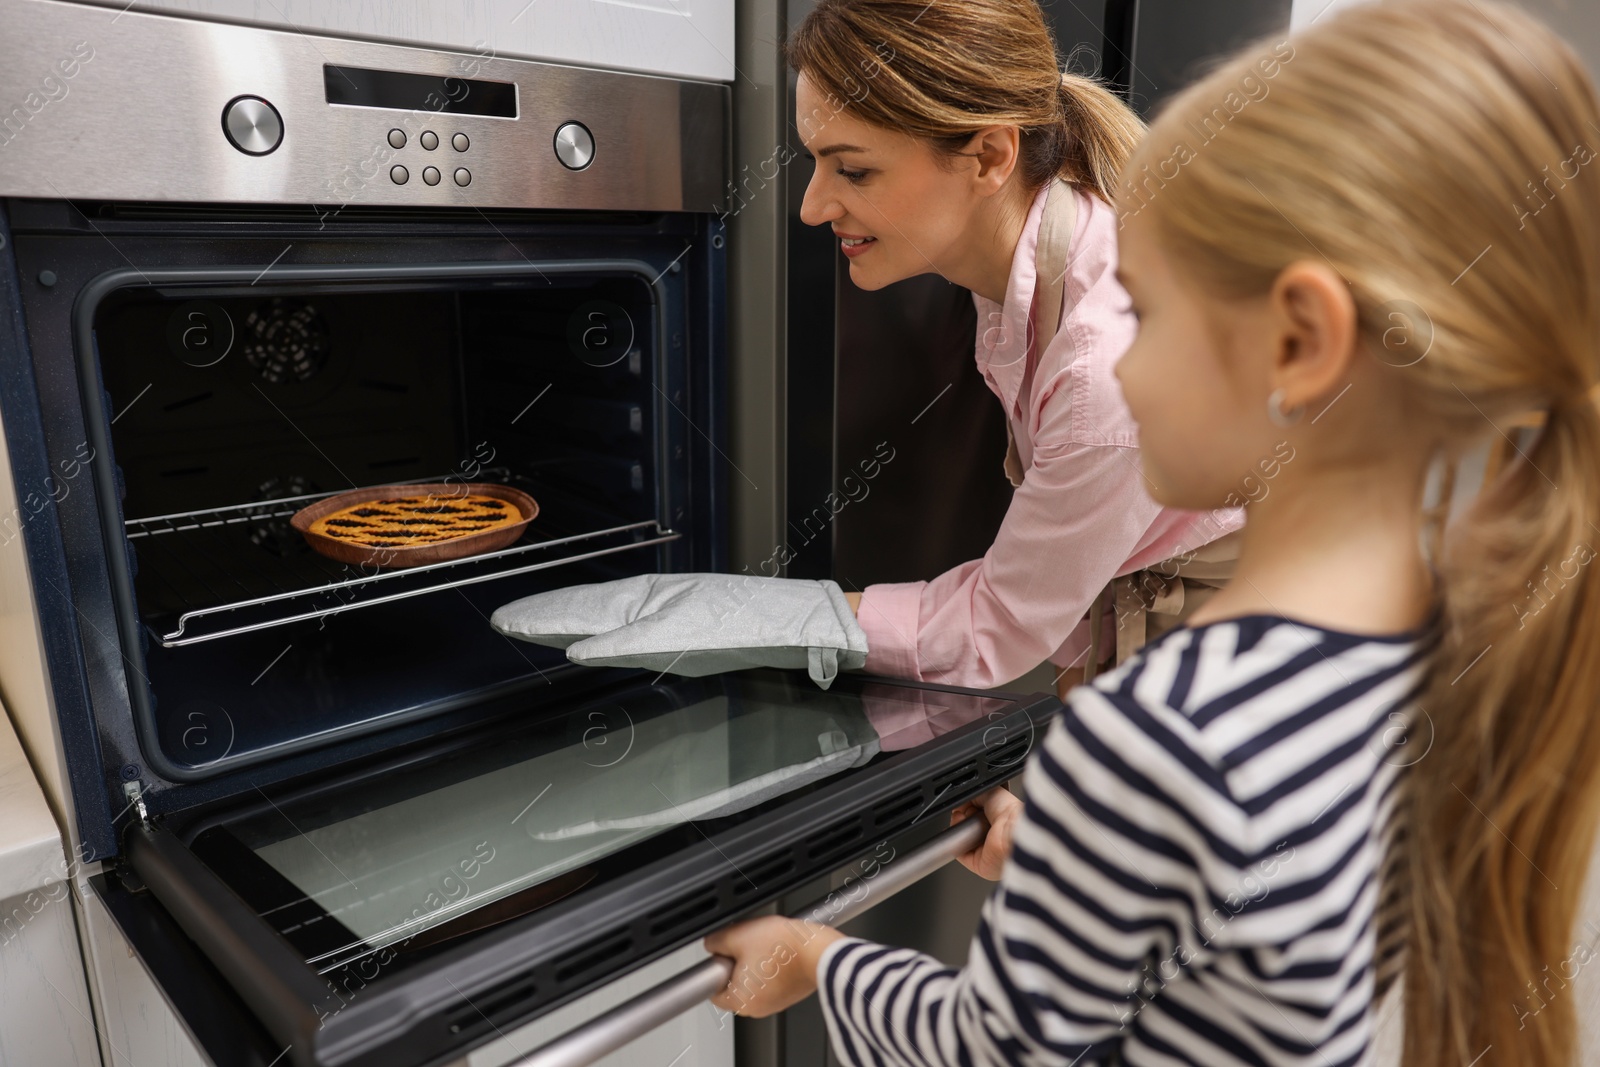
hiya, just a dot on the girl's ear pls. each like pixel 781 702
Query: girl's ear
pixel 995 149
pixel 1316 326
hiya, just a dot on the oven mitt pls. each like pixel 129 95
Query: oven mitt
pixel 695 624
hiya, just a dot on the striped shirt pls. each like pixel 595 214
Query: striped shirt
pixel 1195 875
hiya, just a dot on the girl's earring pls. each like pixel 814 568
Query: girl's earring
pixel 1280 417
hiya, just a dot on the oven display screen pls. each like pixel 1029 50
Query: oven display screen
pixel 362 87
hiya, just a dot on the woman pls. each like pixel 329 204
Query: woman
pixel 1225 855
pixel 948 142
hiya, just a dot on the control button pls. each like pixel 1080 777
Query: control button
pixel 430 175
pixel 574 145
pixel 459 142
pixel 252 125
pixel 399 174
pixel 397 138
pixel 463 176
pixel 430 140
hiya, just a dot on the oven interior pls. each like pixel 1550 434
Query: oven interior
pixel 228 409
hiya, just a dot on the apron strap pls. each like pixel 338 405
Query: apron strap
pixel 1174 588
pixel 1050 258
pixel 1097 614
pixel 1050 278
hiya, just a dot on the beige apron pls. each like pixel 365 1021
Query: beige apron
pixel 1149 602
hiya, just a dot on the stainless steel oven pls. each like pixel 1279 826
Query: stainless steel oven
pixel 337 817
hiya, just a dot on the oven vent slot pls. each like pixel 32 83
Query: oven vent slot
pixel 764 876
pixel 1011 755
pixel 501 1003
pixel 518 996
pixel 590 958
pixel 897 808
pixel 663 920
pixel 833 842
pixel 183 550
pixel 959 778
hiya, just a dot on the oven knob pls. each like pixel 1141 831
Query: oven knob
pixel 574 145
pixel 430 140
pixel 252 125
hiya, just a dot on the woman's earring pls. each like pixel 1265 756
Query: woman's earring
pixel 1280 417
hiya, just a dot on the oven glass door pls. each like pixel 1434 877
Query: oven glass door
pixel 490 878
pixel 519 824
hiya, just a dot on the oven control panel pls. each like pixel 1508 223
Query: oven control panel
pixel 274 116
pixel 428 166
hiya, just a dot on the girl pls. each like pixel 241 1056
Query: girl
pixel 1375 243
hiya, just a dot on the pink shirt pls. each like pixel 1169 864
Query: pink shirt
pixel 1082 515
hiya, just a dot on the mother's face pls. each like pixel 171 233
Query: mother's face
pixel 896 208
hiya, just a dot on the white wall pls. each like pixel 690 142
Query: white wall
pixel 1578 21
pixel 684 38
pixel 1303 13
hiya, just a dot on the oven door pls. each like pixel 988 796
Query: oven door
pixel 408 911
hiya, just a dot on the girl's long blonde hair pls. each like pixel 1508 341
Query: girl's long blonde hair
pixel 944 69
pixel 1440 155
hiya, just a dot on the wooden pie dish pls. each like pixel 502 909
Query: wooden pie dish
pixel 468 544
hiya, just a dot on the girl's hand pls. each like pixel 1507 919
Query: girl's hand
pixel 1001 808
pixel 774 963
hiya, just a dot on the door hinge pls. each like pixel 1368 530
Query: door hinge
pixel 135 793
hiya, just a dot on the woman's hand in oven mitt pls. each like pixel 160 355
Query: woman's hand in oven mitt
pixel 695 624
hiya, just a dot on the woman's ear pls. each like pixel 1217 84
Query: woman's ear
pixel 1314 316
pixel 995 149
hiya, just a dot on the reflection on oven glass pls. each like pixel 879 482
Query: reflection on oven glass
pixel 612 776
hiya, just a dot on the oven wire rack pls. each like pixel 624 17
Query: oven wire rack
pixel 321 586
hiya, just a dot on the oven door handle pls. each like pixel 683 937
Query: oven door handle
pixel 634 1018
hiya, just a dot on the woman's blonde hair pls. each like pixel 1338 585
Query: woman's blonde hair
pixel 1438 155
pixel 944 69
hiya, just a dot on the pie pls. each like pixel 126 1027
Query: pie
pixel 404 521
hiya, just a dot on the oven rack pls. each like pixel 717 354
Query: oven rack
pixel 193 550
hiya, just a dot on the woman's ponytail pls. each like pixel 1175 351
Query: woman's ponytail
pixel 944 69
pixel 1100 133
